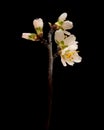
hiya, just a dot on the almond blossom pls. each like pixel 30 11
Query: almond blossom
pixel 70 57
pixel 38 25
pixel 65 41
pixel 63 23
pixel 30 36
pixel 68 46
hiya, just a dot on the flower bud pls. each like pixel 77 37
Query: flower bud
pixel 38 25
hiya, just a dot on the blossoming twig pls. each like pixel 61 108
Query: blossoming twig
pixel 66 47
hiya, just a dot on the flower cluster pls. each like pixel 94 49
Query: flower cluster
pixel 65 41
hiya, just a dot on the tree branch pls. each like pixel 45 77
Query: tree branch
pixel 50 71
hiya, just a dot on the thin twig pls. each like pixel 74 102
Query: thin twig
pixel 50 71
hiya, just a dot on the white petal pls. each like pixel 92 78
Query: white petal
pixel 38 23
pixel 59 35
pixel 67 25
pixel 69 40
pixel 63 61
pixel 26 35
pixel 62 17
pixel 70 63
pixel 30 36
pixel 73 47
pixel 67 33
pixel 64 50
pixel 77 59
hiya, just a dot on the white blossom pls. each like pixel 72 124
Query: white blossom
pixel 29 36
pixel 63 23
pixel 38 25
pixel 68 45
pixel 64 41
pixel 70 57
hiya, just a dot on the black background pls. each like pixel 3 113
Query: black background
pixel 75 101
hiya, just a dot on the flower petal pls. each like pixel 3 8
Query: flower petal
pixel 62 17
pixel 25 35
pixel 73 47
pixel 63 61
pixel 69 40
pixel 67 25
pixel 64 50
pixel 70 62
pixel 77 58
pixel 59 35
pixel 38 23
pixel 67 33
pixel 29 36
